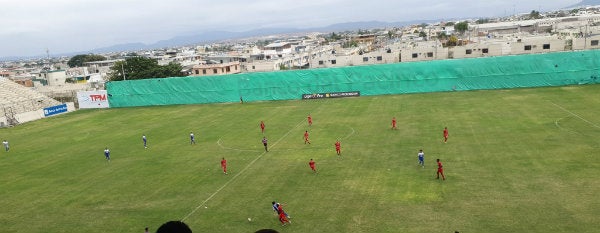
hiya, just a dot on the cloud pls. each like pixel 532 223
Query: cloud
pixel 75 25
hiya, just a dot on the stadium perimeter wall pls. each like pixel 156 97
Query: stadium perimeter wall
pixel 520 71
pixel 32 115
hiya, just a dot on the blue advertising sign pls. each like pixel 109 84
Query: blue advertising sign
pixel 331 95
pixel 55 110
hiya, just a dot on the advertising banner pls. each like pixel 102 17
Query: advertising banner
pixel 331 95
pixel 55 110
pixel 92 99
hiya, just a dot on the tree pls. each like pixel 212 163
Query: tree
pixel 452 41
pixel 561 14
pixel 261 43
pixel 143 68
pixel 534 15
pixel 449 24
pixel 482 21
pixel 423 34
pixel 442 35
pixel 350 44
pixel 461 27
pixel 334 37
pixel 79 60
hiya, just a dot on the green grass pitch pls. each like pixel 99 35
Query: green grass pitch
pixel 521 160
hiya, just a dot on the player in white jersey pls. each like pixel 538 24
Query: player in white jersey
pixel 421 158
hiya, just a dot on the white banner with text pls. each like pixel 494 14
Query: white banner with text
pixel 92 99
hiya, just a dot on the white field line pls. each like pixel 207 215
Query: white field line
pixel 575 115
pixel 239 173
pixel 230 148
pixel 350 133
pixel 557 123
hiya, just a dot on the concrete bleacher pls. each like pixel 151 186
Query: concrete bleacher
pixel 16 99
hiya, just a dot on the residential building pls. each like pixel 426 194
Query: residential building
pixel 216 69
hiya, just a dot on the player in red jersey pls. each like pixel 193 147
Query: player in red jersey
pixel 338 147
pixel 262 126
pixel 283 219
pixel 224 165
pixel 394 123
pixel 309 120
pixel 312 165
pixel 445 134
pixel 306 140
pixel 440 170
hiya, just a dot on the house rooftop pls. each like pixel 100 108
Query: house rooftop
pixel 275 45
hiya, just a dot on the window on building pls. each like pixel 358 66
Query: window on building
pixel 414 55
pixel 253 67
pixel 430 54
pixel 546 46
pixel 197 71
pixel 221 61
pixel 203 71
pixel 527 47
pixel 333 62
pixel 320 62
pixel 485 50
pixel 469 51
pixel 594 43
pixel 214 71
pixel 365 59
pixel 228 69
pixel 379 58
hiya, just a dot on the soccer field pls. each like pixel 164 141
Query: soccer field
pixel 521 160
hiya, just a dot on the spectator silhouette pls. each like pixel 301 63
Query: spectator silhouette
pixel 174 227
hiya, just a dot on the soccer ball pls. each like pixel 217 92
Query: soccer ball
pixel 249 220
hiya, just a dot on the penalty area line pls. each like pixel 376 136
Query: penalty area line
pixel 238 174
pixel 575 115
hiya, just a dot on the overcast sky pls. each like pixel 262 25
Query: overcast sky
pixel 29 27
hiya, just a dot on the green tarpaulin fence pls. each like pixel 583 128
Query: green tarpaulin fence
pixel 535 70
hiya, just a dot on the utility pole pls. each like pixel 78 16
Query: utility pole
pixel 123 70
pixel 585 35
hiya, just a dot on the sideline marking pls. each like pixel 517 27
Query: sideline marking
pixel 575 115
pixel 239 173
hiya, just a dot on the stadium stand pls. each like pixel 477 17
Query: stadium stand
pixel 15 99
